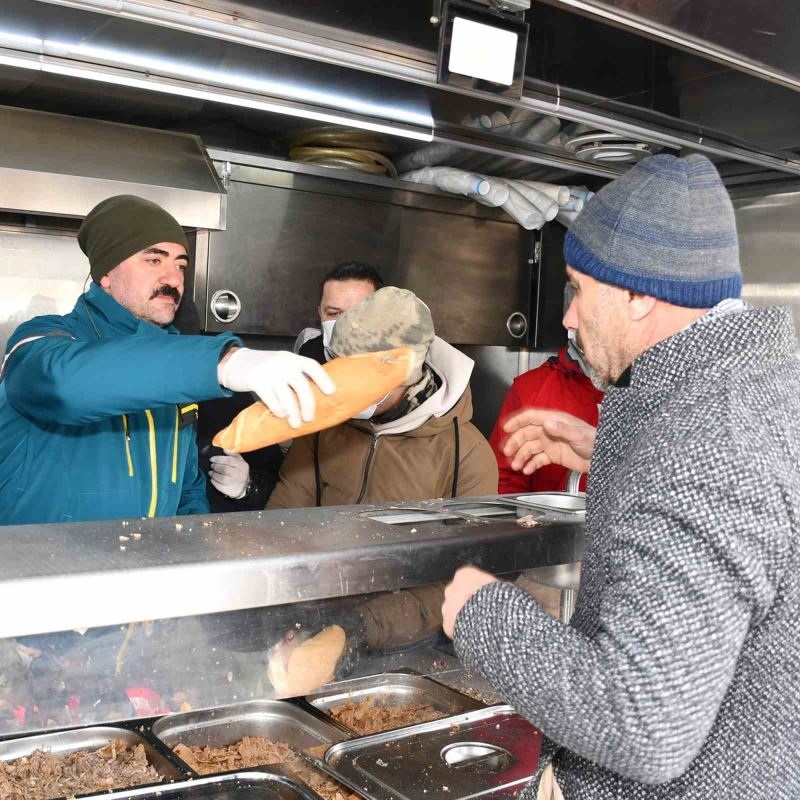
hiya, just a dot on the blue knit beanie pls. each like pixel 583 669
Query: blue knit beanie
pixel 666 228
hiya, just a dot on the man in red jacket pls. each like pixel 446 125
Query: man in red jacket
pixel 562 383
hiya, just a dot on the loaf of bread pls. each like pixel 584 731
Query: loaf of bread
pixel 310 665
pixel 360 380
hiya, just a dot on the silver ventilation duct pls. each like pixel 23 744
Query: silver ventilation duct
pixel 63 166
pixel 602 147
pixel 236 59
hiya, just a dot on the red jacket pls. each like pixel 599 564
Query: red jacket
pixel 560 385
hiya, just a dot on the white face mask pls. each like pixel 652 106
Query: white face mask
pixel 369 411
pixel 577 354
pixel 327 332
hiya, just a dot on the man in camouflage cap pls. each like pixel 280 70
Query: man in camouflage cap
pixel 389 318
pixel 416 443
pixel 420 442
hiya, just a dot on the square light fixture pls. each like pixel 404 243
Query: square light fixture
pixel 482 49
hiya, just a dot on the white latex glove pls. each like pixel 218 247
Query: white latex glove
pixel 229 474
pixel 280 379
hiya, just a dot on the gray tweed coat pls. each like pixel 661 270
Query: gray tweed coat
pixel 679 675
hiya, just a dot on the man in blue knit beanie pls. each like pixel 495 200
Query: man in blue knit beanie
pixel 677 677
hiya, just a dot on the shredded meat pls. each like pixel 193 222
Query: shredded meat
pixel 367 717
pixel 44 776
pixel 258 751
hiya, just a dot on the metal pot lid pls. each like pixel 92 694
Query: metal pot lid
pixel 481 753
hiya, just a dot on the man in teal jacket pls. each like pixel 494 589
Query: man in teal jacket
pixel 97 406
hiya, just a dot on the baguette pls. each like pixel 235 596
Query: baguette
pixel 310 665
pixel 360 380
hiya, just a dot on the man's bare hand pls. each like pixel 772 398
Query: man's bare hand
pixel 540 437
pixel 465 583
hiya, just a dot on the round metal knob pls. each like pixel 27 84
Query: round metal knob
pixel 225 305
pixel 517 324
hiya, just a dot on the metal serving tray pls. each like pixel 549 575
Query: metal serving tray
pixel 483 753
pixel 66 742
pixel 275 719
pixel 392 689
pixel 237 786
pixel 220 727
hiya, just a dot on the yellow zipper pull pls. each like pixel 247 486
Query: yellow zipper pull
pixel 127 444
pixel 175 448
pixel 153 463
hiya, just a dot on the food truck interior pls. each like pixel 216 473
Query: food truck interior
pixel 285 138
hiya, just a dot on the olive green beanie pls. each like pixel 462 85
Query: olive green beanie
pixel 117 228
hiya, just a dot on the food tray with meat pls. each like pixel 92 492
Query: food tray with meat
pixel 240 786
pixel 489 752
pixel 385 702
pixel 255 734
pixel 80 762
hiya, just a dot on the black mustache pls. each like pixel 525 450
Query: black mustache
pixel 167 291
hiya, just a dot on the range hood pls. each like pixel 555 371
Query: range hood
pixel 238 55
pixel 57 165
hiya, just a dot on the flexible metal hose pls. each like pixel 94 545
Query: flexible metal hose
pixel 342 148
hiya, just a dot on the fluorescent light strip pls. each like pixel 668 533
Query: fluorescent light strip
pixel 155 85
pixel 23 62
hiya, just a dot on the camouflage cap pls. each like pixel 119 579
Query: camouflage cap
pixel 389 318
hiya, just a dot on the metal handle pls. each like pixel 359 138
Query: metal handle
pixel 517 324
pixel 477 755
pixel 225 305
pixel 574 481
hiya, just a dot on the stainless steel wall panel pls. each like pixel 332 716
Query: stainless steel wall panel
pixel 495 369
pixel 41 272
pixel 769 241
pixel 287 227
pixel 473 273
pixel 280 243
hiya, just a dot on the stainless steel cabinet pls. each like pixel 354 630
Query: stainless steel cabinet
pixel 289 224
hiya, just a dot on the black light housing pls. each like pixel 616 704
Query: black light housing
pixel 482 49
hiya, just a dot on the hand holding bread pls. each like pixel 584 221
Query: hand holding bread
pixel 360 380
pixel 280 379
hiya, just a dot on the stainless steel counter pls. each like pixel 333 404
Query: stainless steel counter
pixel 81 575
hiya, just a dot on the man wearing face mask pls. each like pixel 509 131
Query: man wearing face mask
pixel 97 407
pixel 563 383
pixel 238 483
pixel 414 444
pixel 417 443
pixel 344 286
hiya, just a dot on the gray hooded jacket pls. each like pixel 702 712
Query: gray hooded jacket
pixel 679 675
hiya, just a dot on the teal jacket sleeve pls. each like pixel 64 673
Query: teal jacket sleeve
pixel 56 379
pixel 193 495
